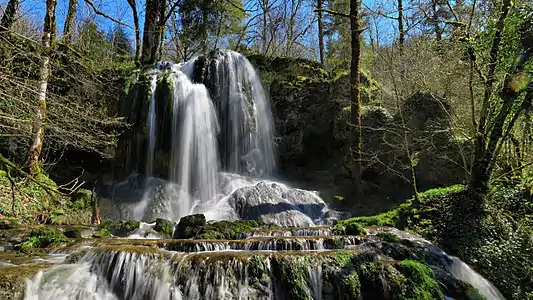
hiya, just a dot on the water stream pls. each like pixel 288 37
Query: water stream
pixel 221 154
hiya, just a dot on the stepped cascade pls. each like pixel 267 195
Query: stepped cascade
pixel 275 264
pixel 201 155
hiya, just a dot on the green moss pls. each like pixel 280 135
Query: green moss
pixel 42 237
pixel 81 199
pixel 164 227
pixel 421 283
pixel 292 274
pixel 388 237
pixel 388 218
pixel 440 192
pixel 102 233
pixel 353 286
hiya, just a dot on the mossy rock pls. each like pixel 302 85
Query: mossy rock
pixel 421 283
pixel 348 228
pixel 190 226
pixel 388 237
pixel 42 237
pixel 231 230
pixel 164 227
pixel 102 233
pixel 119 227
pixel 78 232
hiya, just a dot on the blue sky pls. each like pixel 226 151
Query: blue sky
pixel 120 9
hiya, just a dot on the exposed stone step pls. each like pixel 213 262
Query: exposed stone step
pixel 297 231
pixel 280 243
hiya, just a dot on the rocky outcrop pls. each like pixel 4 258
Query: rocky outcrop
pixel 189 226
pixel 312 117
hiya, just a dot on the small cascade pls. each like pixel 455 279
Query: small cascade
pixel 311 267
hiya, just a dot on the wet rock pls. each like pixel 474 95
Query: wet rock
pixel 190 226
pixel 275 203
pixel 13 280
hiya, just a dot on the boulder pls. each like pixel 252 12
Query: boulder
pixel 275 203
pixel 189 226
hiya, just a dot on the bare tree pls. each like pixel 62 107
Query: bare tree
pixel 9 17
pixel 69 21
pixel 320 32
pixel 355 87
pixel 40 117
pixel 133 6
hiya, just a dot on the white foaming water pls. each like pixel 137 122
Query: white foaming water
pixel 194 158
pixel 245 115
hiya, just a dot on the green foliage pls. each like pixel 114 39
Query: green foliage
pixel 388 237
pixel 42 237
pixel 81 199
pixel 121 43
pixel 164 227
pixel 208 20
pixel 492 247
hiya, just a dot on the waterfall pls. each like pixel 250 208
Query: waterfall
pixel 219 121
pixel 246 139
pixel 194 158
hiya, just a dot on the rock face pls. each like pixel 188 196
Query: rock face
pixel 312 116
pixel 189 226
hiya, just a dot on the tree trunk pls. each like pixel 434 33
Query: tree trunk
pixel 40 117
pixel 151 36
pixel 401 31
pixel 162 25
pixel 355 97
pixel 435 20
pixel 483 154
pixel 137 30
pixel 320 32
pixel 69 21
pixel 9 17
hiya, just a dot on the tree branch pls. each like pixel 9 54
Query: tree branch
pixel 174 6
pixel 101 13
pixel 332 12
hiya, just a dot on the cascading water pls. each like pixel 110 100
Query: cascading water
pixel 221 140
pixel 221 144
pixel 194 158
